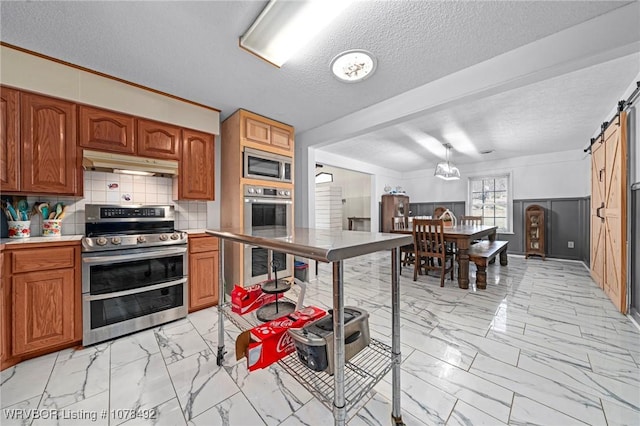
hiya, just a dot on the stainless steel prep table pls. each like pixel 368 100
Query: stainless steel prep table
pixel 330 247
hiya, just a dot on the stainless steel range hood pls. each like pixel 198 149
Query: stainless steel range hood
pixel 119 163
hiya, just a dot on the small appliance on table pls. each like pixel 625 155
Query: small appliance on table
pixel 314 341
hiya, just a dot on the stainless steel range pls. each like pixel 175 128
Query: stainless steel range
pixel 134 270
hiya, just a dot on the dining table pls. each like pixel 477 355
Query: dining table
pixel 462 236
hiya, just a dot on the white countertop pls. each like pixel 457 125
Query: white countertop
pixel 32 240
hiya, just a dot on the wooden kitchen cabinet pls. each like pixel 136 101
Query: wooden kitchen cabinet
pixel 9 139
pixel 158 140
pixel 258 131
pixel 203 271
pixel 41 294
pixel 4 321
pixel 105 130
pixel 43 310
pixel 48 134
pixel 196 176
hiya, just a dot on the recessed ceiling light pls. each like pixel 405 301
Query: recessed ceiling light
pixel 353 65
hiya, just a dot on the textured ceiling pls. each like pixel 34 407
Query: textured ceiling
pixel 190 49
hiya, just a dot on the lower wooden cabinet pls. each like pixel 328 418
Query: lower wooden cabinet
pixel 43 310
pixel 40 302
pixel 203 271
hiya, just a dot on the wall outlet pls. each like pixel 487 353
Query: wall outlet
pixel 570 244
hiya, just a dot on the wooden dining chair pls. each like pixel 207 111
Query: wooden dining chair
pixel 471 220
pixel 429 245
pixel 399 223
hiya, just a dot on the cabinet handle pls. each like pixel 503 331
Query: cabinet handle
pixel 600 173
pixel 598 211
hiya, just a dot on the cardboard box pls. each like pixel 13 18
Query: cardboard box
pixel 247 299
pixel 267 343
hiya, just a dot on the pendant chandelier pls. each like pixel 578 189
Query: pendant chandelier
pixel 445 169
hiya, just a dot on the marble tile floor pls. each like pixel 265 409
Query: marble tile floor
pixel 542 345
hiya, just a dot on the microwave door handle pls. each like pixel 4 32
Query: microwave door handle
pixel 266 201
pixel 152 254
pixel 135 290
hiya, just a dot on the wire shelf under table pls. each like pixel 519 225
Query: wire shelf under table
pixel 362 373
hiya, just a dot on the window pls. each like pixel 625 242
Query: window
pixel 490 197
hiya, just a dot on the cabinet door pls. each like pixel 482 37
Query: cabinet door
pixel 106 130
pixel 9 139
pixel 281 137
pixel 158 140
pixel 4 322
pixel 197 166
pixel 43 310
pixel 48 145
pixel 203 280
pixel 257 131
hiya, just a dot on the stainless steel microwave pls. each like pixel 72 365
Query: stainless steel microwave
pixel 265 165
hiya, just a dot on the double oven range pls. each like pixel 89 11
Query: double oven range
pixel 134 270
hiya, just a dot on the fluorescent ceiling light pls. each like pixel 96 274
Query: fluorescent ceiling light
pixel 447 170
pixel 284 27
pixel 324 177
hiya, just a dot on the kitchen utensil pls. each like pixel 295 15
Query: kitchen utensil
pixel 52 215
pixel 12 212
pixel 23 208
pixel 43 208
pixel 58 210
pixel 64 211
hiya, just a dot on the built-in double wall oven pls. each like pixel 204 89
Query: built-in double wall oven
pixel 267 210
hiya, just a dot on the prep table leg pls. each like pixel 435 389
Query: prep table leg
pixel 221 352
pixel 339 404
pixel 396 357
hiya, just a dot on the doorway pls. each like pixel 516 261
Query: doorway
pixel 345 193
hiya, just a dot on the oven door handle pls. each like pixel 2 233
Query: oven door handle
pixel 151 254
pixel 266 201
pixel 90 298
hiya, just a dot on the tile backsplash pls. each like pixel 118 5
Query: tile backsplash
pixel 112 188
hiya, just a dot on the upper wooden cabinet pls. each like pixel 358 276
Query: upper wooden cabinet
pixel 264 133
pixel 105 130
pixel 196 178
pixel 48 145
pixel 9 139
pixel 158 140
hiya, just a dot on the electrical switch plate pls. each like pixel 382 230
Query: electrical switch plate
pixel 570 244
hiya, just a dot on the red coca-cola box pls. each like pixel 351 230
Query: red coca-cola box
pixel 267 343
pixel 247 299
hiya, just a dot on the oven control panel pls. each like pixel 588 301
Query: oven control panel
pixel 127 212
pixel 114 242
pixel 267 192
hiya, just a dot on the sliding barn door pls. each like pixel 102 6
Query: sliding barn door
pixel 608 212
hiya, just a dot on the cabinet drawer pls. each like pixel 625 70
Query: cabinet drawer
pixel 42 259
pixel 201 244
